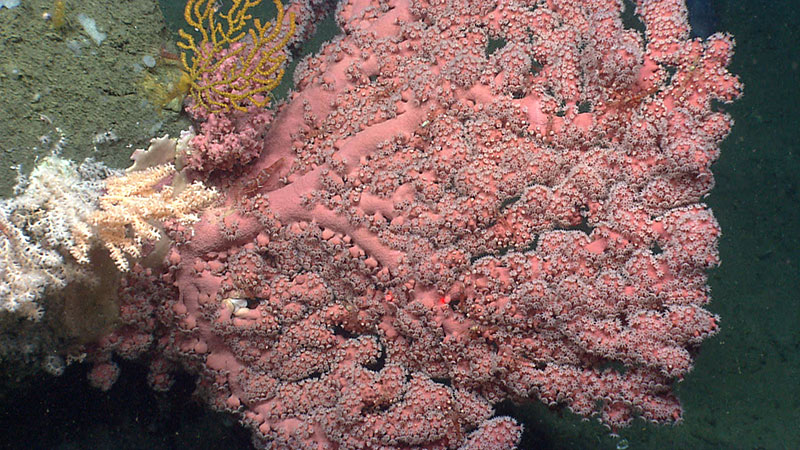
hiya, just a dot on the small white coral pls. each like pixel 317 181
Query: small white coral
pixel 59 199
pixel 26 271
pixel 48 218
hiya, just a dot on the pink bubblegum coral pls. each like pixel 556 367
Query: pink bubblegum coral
pixel 227 141
pixel 433 226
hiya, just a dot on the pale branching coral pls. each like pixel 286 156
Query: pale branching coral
pixel 26 271
pixel 47 220
pixel 47 231
pixel 135 202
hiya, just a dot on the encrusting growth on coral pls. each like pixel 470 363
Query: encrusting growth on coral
pixel 238 59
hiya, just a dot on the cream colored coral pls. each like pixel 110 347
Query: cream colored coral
pixel 45 221
pixel 135 202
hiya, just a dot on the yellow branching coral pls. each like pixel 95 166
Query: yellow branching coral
pixel 132 205
pixel 238 59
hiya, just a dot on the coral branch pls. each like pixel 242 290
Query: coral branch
pixel 239 59
pixel 135 202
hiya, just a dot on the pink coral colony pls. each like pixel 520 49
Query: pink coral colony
pixel 462 202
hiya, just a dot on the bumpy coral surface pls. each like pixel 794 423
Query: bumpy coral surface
pixel 463 202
